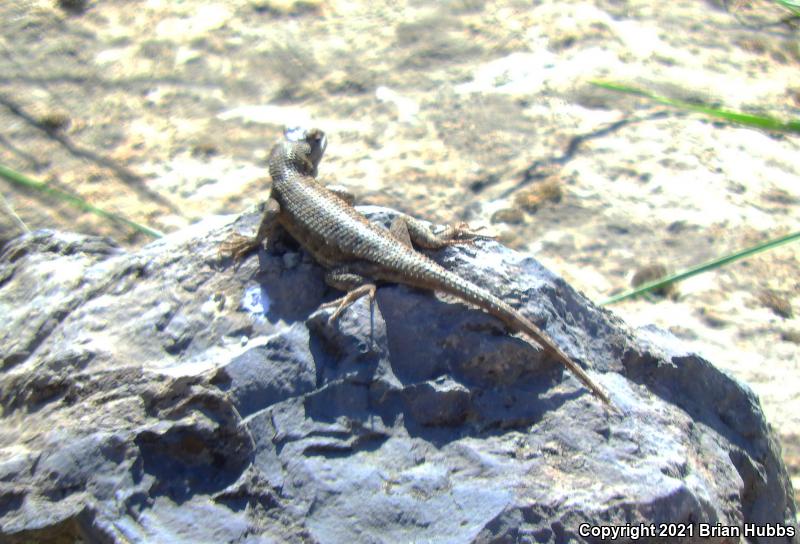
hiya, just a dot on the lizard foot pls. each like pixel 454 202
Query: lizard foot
pixel 237 247
pixel 463 234
pixel 344 302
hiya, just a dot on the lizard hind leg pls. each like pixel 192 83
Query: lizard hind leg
pixel 356 286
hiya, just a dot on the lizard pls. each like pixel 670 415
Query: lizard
pixel 357 253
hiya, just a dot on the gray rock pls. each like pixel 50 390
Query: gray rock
pixel 168 396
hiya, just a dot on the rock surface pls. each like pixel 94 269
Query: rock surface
pixel 459 110
pixel 166 396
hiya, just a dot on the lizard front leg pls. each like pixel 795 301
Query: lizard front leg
pixel 408 229
pixel 345 278
pixel 238 246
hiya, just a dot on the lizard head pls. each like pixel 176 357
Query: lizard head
pixel 308 147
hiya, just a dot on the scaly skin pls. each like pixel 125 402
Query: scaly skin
pixel 357 252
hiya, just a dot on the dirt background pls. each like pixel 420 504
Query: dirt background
pixel 457 110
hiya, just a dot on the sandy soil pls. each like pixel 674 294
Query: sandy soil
pixel 457 110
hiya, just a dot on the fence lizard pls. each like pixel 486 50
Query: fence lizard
pixel 357 253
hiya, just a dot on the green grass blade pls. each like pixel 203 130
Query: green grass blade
pixel 757 121
pixel 24 181
pixel 791 5
pixel 705 267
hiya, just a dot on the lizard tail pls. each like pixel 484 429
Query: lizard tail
pixel 453 284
